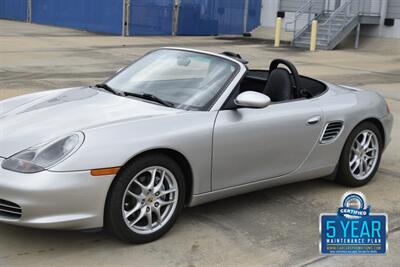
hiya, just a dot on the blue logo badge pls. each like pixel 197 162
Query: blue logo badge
pixel 353 229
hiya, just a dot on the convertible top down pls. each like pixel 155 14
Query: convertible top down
pixel 179 127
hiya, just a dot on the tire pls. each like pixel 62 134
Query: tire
pixel 350 171
pixel 132 199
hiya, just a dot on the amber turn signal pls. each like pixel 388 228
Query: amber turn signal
pixel 105 171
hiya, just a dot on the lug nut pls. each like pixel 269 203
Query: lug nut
pixel 156 204
pixel 157 194
pixel 148 209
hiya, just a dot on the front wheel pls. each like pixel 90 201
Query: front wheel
pixel 361 155
pixel 146 199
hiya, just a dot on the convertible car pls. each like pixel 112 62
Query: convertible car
pixel 179 127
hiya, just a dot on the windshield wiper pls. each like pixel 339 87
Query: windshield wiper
pixel 109 89
pixel 151 98
pixel 143 96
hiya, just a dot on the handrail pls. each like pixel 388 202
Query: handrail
pixel 337 11
pixel 301 9
pixel 348 16
pixel 334 18
pixel 298 13
pixel 306 8
pixel 307 25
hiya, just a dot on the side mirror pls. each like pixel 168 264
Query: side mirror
pixel 251 99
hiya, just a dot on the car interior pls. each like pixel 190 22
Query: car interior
pixel 280 84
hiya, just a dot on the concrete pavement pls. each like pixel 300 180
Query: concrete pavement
pixel 273 227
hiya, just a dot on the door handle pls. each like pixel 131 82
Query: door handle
pixel 314 120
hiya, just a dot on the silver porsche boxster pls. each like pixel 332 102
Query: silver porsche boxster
pixel 179 127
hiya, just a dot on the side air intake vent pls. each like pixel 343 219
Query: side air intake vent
pixel 10 210
pixel 332 130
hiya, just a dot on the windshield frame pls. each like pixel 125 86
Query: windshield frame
pixel 233 79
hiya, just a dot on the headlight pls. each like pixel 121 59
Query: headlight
pixel 44 156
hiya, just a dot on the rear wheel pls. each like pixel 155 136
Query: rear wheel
pixel 146 199
pixel 361 155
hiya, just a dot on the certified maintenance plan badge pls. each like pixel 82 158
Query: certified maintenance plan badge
pixel 353 229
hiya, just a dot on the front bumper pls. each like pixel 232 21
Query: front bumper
pixel 55 200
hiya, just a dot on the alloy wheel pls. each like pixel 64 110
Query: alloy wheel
pixel 364 154
pixel 150 200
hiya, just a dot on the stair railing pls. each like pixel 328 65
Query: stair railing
pixel 308 11
pixel 340 18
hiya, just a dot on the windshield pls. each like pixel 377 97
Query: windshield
pixel 188 80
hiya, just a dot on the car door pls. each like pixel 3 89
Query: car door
pixel 255 144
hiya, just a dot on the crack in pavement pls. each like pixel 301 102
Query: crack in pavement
pixel 388 172
pixel 48 250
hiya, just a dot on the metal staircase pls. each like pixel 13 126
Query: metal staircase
pixel 335 23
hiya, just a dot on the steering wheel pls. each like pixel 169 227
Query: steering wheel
pixel 296 78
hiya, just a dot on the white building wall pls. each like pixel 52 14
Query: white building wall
pixel 393 9
pixel 268 12
pixel 382 30
pixel 271 7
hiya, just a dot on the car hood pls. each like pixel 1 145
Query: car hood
pixel 40 118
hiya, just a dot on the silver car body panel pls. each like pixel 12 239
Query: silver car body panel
pixel 230 152
pixel 338 103
pixel 247 142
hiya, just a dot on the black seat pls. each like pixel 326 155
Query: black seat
pixel 279 85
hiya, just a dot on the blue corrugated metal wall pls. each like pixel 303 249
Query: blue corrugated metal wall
pixel 254 14
pixel 197 17
pixel 92 15
pixel 147 17
pixel 230 15
pixel 13 9
pixel 210 17
pixel 151 17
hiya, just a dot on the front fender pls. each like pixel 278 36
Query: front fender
pixel 189 133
